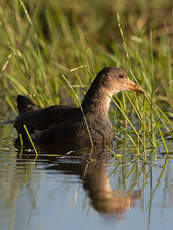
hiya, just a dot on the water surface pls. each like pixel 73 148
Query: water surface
pixel 68 192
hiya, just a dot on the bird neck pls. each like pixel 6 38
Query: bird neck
pixel 97 102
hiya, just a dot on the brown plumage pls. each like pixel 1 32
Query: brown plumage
pixel 71 125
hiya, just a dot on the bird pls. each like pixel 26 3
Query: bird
pixel 87 124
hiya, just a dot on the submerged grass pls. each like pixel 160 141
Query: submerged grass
pixel 30 139
pixel 41 42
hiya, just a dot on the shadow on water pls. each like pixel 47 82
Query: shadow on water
pixel 91 166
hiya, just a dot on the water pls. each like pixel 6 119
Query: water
pixel 56 192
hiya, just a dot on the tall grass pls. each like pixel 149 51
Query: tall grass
pixel 40 41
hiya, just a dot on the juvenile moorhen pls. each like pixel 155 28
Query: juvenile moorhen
pixel 70 125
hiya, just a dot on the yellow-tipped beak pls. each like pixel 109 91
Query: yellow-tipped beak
pixel 131 86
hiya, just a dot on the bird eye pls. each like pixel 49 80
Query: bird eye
pixel 121 75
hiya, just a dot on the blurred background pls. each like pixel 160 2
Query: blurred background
pixel 39 40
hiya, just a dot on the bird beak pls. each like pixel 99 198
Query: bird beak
pixel 131 86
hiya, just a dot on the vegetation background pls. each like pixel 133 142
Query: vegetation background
pixel 46 46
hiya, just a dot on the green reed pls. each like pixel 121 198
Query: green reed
pixel 30 139
pixel 41 44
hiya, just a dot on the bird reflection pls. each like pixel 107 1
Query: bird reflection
pixel 91 166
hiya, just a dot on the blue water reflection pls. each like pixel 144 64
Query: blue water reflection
pixel 59 192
